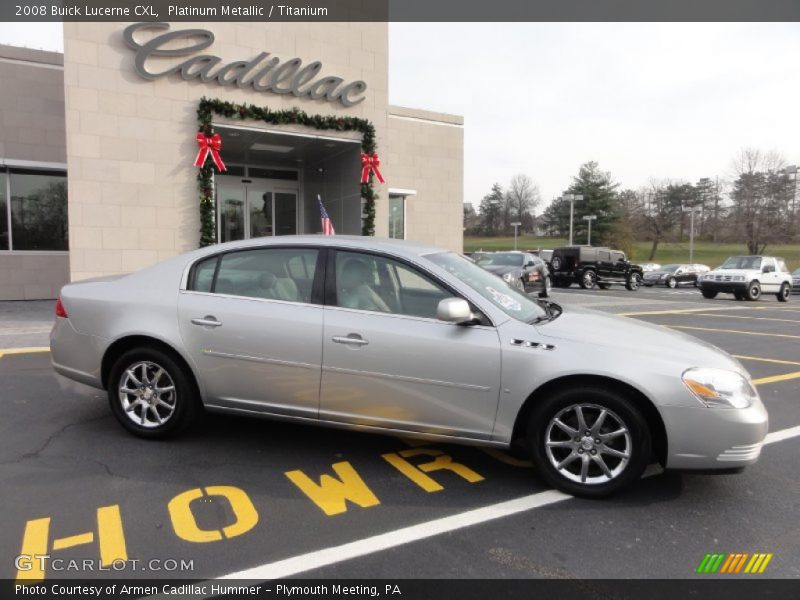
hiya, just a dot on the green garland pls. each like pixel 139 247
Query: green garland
pixel 210 107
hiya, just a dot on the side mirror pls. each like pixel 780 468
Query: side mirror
pixel 453 310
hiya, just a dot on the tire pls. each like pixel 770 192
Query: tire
pixel 672 283
pixel 753 292
pixel 633 282
pixel 625 455
pixel 588 279
pixel 603 286
pixel 178 406
pixel 784 293
pixel 709 294
pixel 548 285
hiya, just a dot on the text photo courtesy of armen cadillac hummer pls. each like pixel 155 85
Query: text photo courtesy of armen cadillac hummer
pixel 389 300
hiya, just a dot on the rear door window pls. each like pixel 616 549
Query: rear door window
pixel 270 273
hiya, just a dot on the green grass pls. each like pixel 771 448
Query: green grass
pixel 704 252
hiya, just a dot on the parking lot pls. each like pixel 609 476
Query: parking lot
pixel 244 497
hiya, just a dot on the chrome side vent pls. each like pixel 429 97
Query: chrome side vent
pixel 529 344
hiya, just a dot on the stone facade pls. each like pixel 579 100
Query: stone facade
pixel 130 141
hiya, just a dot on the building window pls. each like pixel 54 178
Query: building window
pixel 4 211
pixel 34 208
pixel 397 216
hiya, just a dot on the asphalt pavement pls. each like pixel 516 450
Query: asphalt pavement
pixel 237 496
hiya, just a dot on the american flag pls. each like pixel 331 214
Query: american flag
pixel 327 224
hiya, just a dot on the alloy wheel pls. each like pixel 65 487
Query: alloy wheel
pixel 147 394
pixel 588 444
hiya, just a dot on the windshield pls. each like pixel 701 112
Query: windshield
pixel 514 303
pixel 505 259
pixel 742 262
pixel 796 272
pixel 670 268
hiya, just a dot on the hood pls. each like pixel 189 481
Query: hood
pixel 499 269
pixel 588 326
pixel 733 272
pixel 658 273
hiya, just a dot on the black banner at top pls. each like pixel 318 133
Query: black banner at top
pixel 400 10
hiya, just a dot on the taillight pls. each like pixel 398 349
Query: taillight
pixel 60 310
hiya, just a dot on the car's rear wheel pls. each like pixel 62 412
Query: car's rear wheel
pixel 783 294
pixel 633 282
pixel 589 442
pixel 588 279
pixel 709 294
pixel 753 292
pixel 151 394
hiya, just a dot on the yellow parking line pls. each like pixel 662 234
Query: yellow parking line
pixel 776 361
pixel 777 378
pixel 31 350
pixel 780 335
pixel 743 317
pixel 678 311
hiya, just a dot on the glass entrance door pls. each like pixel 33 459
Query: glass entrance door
pixel 248 208
pixel 285 213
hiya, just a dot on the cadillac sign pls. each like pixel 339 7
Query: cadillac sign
pixel 262 73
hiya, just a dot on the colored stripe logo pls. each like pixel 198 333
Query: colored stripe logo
pixel 734 563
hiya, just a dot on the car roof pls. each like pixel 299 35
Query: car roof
pixel 356 242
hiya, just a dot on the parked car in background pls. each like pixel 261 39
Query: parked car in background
pixel 796 281
pixel 392 337
pixel 747 277
pixel 651 266
pixel 545 255
pixel 526 272
pixel 589 266
pixel 700 269
pixel 671 276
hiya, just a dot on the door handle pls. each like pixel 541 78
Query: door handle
pixel 207 321
pixel 358 341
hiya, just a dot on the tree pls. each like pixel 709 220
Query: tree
pixel 599 193
pixel 662 211
pixel 491 210
pixel 762 196
pixel 471 220
pixel 522 198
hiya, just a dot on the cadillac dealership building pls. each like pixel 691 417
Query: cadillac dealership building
pixel 98 145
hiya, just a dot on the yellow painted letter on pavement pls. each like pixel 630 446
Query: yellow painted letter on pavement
pixel 332 494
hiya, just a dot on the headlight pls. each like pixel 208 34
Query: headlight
pixel 718 388
pixel 508 277
pixel 739 278
pixel 664 276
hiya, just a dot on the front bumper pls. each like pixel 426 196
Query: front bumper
pixel 714 438
pixel 726 287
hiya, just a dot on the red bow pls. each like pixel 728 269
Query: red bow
pixel 370 162
pixel 209 144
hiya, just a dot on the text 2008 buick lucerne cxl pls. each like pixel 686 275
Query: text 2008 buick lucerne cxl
pixel 395 337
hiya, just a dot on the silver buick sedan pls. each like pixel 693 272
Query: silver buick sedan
pixel 400 338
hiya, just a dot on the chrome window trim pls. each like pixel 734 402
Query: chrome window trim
pixel 399 316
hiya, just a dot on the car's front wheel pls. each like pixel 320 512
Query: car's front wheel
pixel 672 283
pixel 547 286
pixel 633 282
pixel 151 394
pixel 753 292
pixel 589 442
pixel 783 294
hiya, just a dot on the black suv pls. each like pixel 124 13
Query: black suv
pixel 589 266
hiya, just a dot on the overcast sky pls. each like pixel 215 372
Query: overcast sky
pixel 670 101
